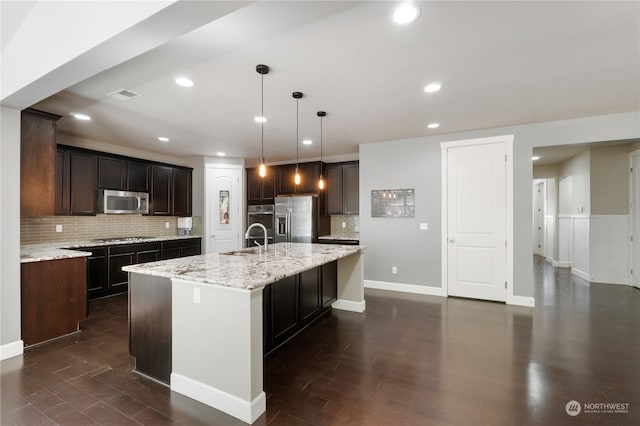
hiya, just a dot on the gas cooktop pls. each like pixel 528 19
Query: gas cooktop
pixel 112 239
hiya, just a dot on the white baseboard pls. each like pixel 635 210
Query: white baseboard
pixel 405 288
pixel 11 349
pixel 610 280
pixel 581 274
pixel 348 305
pixel 247 411
pixel 521 301
pixel 560 264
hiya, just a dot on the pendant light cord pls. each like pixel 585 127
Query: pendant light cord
pixel 297 139
pixel 262 115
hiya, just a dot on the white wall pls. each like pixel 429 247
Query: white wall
pixel 10 335
pixel 415 163
pixel 579 168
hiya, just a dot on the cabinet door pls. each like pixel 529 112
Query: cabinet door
pixel 83 177
pixel 181 192
pixel 62 182
pixel 148 255
pixel 329 284
pixel 97 275
pixel 285 309
pixel 309 295
pixel 254 187
pixel 112 173
pixel 118 279
pixel 37 163
pixel 351 188
pixel 284 179
pixel 309 174
pixel 267 190
pixel 334 189
pixel 161 182
pixel 138 176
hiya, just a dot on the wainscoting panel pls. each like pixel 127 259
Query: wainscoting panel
pixel 565 237
pixel 609 242
pixel 580 264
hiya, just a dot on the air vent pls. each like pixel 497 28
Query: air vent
pixel 123 95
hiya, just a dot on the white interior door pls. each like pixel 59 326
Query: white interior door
pixel 224 209
pixel 476 191
pixel 634 213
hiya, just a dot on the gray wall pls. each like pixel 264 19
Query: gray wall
pixel 10 226
pixel 610 180
pixel 415 163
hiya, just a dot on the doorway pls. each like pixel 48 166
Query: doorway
pixel 477 186
pixel 225 221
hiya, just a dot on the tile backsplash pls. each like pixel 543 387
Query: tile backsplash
pixel 351 229
pixel 35 230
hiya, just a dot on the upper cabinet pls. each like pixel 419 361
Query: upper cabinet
pixel 343 186
pixel 309 176
pixel 260 190
pixel 37 163
pixel 138 176
pixel 112 173
pixel 76 182
pixel 171 191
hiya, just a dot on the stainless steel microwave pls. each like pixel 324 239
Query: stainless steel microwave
pixel 122 202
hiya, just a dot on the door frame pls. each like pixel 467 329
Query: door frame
pixel 207 190
pixel 507 140
pixel 543 225
pixel 633 208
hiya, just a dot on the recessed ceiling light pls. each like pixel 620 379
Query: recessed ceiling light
pixel 163 139
pixel 184 82
pixel 536 157
pixel 79 116
pixel 405 13
pixel 433 125
pixel 433 87
pixel 220 154
pixel 307 142
pixel 260 119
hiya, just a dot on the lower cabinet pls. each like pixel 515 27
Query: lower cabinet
pixel 293 303
pixel 53 298
pixel 105 276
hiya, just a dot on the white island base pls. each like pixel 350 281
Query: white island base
pixel 217 341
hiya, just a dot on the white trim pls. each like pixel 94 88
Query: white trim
pixel 246 411
pixel 581 274
pixel 559 264
pixel 507 140
pixel 11 349
pixel 610 280
pixel 405 288
pixel 348 305
pixel 521 301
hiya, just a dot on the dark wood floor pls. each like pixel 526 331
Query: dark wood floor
pixel 409 360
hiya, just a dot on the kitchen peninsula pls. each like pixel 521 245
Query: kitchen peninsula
pixel 196 323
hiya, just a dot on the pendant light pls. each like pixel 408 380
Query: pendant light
pixel 321 114
pixel 297 96
pixel 262 70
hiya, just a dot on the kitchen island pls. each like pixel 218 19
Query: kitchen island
pixel 196 323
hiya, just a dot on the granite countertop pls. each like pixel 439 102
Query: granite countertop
pixel 247 269
pixel 67 249
pixel 338 238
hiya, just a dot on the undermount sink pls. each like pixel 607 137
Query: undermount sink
pixel 243 252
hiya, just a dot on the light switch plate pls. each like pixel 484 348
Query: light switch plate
pixel 58 228
pixel 344 224
pixel 424 226
pixel 166 225
pixel 196 295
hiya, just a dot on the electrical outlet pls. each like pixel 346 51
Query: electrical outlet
pixel 166 225
pixel 394 269
pixel 424 226
pixel 196 295
pixel 344 224
pixel 58 228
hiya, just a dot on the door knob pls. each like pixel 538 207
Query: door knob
pixel 452 240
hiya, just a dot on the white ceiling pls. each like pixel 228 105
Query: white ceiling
pixel 500 63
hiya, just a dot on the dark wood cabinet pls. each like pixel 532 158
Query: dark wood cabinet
pixel 181 192
pixel 112 173
pixel 97 272
pixel 161 184
pixel 260 190
pixel 138 176
pixel 290 305
pixel 181 248
pixel 53 298
pixel 37 163
pixel 309 176
pixel 83 180
pixel 343 186
pixel 128 254
pixel 62 186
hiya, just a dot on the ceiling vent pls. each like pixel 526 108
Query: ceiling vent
pixel 124 95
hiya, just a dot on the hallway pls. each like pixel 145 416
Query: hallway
pixel 408 360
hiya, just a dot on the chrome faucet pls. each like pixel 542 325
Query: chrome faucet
pixel 264 230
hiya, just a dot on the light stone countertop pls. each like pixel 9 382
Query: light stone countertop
pixel 246 269
pixel 66 249
pixel 338 238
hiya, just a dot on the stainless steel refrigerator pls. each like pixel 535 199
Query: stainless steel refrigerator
pixel 296 219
